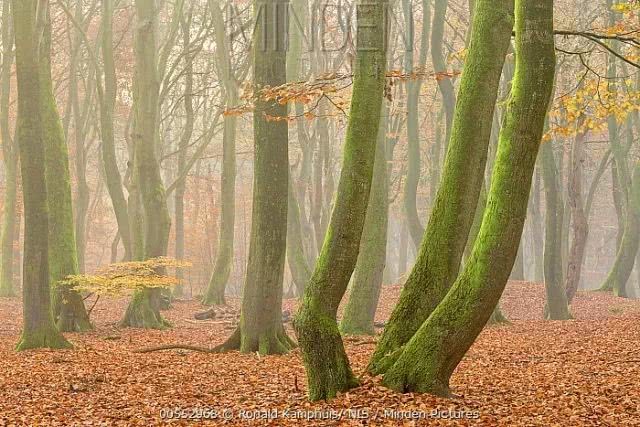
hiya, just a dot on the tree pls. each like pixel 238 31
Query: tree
pixel 323 354
pixel 107 100
pixel 68 307
pixel 261 326
pixel 144 309
pixel 430 357
pixel 9 157
pixel 224 258
pixel 30 19
pixel 556 307
pixel 359 313
pixel 448 229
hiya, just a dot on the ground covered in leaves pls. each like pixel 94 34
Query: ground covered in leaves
pixel 531 372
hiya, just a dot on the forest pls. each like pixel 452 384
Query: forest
pixel 341 212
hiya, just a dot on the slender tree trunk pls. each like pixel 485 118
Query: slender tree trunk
pixel 626 256
pixel 440 66
pixel 537 229
pixel 30 21
pixel 556 307
pixel 144 309
pixel 446 235
pixel 429 359
pixel 107 98
pixel 296 259
pixel 416 230
pixel 323 354
pixel 9 156
pixel 183 146
pixel 224 257
pixel 359 314
pixel 580 223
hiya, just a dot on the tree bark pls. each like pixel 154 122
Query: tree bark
pixel 429 359
pixel 144 309
pixel 556 307
pixel 9 157
pixel 30 18
pixel 446 235
pixel 359 313
pixel 323 354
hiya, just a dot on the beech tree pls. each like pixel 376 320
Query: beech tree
pixel 427 361
pixel 323 354
pixel 447 232
pixel 261 326
pixel 144 309
pixel 31 19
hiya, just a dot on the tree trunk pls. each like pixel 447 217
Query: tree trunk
pixel 144 309
pixel 183 146
pixel 30 20
pixel 359 313
pixel 445 83
pixel 107 97
pixel 580 223
pixel 446 235
pixel 224 258
pixel 626 256
pixel 416 230
pixel 9 157
pixel 68 307
pixel 429 359
pixel 261 328
pixel 323 354
pixel 296 259
pixel 556 307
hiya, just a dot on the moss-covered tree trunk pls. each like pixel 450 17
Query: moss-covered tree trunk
pixel 9 157
pixel 556 307
pixel 68 307
pixel 359 313
pixel 144 309
pixel 325 360
pixel 446 235
pixel 431 356
pixel 224 259
pixel 416 230
pixel 261 328
pixel 580 223
pixel 107 98
pixel 30 22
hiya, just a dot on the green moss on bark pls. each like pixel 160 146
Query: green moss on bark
pixel 430 357
pixel 440 254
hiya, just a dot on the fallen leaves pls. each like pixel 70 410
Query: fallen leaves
pixel 532 372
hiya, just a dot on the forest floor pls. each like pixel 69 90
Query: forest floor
pixel 528 373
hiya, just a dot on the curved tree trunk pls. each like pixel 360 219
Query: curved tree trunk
pixel 446 235
pixel 107 98
pixel 39 329
pixel 359 313
pixel 325 360
pixel 429 359
pixel 416 230
pixel 626 256
pixel 440 65
pixel 224 259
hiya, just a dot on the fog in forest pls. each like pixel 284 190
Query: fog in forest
pixel 338 212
